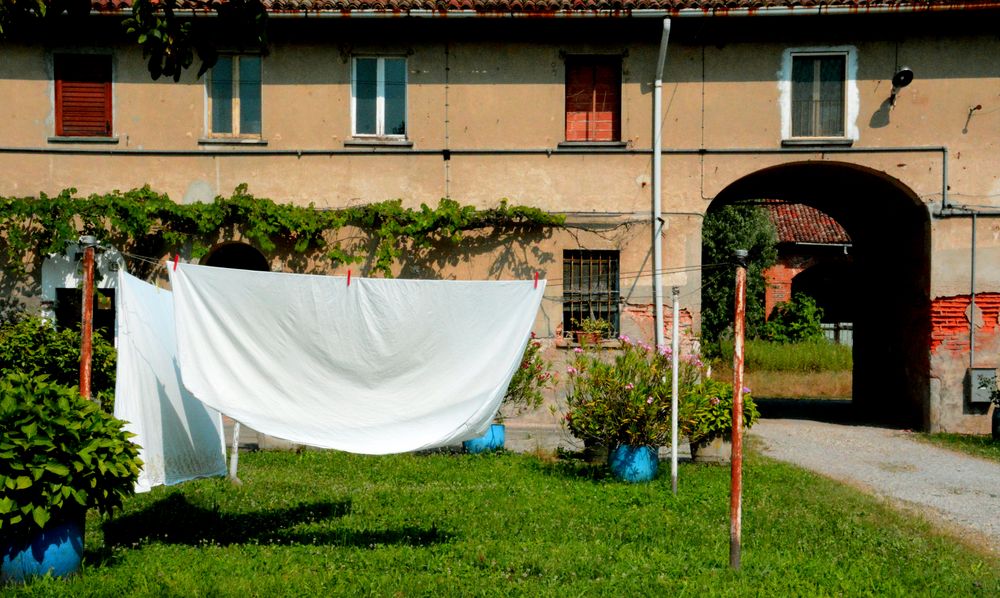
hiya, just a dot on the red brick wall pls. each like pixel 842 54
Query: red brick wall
pixel 779 280
pixel 950 321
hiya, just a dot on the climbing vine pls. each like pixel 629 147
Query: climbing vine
pixel 148 223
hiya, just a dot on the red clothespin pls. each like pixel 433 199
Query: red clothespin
pixel 536 279
pixel 348 278
pixel 176 258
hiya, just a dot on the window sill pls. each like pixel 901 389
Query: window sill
pixel 88 139
pixel 817 141
pixel 592 145
pixel 377 142
pixel 231 141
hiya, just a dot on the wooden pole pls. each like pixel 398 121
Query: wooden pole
pixel 87 316
pixel 736 462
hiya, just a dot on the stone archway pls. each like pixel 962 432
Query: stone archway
pixel 239 256
pixel 890 229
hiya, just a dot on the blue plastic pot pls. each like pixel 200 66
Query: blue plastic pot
pixel 633 463
pixel 58 549
pixel 491 441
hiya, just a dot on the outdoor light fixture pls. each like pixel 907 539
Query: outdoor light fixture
pixel 902 78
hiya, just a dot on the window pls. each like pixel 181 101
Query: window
pixel 83 95
pixel 819 95
pixel 590 287
pixel 234 97
pixel 378 97
pixel 593 98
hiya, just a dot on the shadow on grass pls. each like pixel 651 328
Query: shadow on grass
pixel 575 464
pixel 175 520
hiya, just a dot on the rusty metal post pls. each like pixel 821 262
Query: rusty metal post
pixel 87 317
pixel 736 462
pixel 675 357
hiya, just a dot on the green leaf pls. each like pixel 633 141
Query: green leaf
pixel 41 516
pixel 57 468
pixel 22 482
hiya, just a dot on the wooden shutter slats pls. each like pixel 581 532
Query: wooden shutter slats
pixel 83 95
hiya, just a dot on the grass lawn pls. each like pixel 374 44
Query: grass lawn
pixel 979 446
pixel 326 523
pixel 811 369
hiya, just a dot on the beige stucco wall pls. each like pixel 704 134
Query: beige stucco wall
pixel 500 86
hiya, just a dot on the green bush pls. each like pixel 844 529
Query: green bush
pixel 60 454
pixel 795 321
pixel 819 355
pixel 532 377
pixel 706 412
pixel 624 399
pixel 33 346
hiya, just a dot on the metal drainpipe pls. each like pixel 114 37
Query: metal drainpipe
pixel 657 186
pixel 972 294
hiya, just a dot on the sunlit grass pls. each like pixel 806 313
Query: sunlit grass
pixel 326 523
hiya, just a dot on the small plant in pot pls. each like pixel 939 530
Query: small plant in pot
pixel 707 419
pixel 59 456
pixel 623 403
pixel 524 393
pixel 590 331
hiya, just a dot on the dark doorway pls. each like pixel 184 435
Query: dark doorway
pixel 890 276
pixel 238 256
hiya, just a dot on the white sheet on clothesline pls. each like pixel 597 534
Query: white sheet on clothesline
pixel 180 438
pixel 375 367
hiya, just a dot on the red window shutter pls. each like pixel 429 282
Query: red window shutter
pixel 593 99
pixel 83 95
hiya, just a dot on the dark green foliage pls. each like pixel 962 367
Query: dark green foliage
pixel 147 223
pixel 59 454
pixel 34 347
pixel 725 230
pixel 795 321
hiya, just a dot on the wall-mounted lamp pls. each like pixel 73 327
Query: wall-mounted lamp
pixel 902 78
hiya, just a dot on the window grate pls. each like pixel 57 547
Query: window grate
pixel 590 287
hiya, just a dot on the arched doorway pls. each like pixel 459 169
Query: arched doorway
pixel 239 256
pixel 889 299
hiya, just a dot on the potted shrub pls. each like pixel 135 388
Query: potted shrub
pixel 524 393
pixel 707 416
pixel 590 331
pixel 59 456
pixel 623 402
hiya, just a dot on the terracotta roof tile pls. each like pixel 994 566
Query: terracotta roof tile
pixel 799 223
pixel 556 6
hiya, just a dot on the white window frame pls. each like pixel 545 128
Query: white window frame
pixel 235 133
pixel 380 97
pixel 851 95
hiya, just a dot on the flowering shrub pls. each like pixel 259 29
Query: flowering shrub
pixel 626 399
pixel 706 412
pixel 525 390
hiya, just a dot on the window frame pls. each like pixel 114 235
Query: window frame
pixel 379 97
pixel 594 60
pixel 611 303
pixel 850 101
pixel 235 101
pixel 58 85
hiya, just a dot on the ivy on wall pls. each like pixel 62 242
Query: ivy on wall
pixel 149 223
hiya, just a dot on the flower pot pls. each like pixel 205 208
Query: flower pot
pixel 717 450
pixel 491 441
pixel 588 338
pixel 633 463
pixel 56 549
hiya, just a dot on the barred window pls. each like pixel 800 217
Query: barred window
pixel 590 287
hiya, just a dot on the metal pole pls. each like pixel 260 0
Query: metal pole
pixel 87 317
pixel 657 184
pixel 675 343
pixel 736 462
pixel 972 296
pixel 234 455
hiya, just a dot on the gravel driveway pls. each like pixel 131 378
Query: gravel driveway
pixel 959 489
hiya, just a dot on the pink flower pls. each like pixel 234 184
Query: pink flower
pixel 571 370
pixel 577 350
pixel 625 339
pixel 533 334
pixel 649 401
pixel 715 401
pixel 629 386
pixel 746 390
